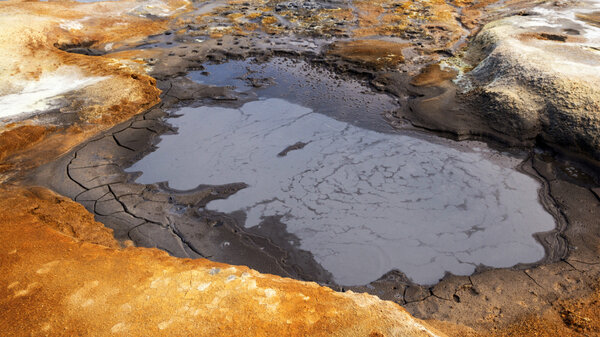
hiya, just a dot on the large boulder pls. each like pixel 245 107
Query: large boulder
pixel 538 76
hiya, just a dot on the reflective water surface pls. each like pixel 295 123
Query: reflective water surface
pixel 363 202
pixel 299 82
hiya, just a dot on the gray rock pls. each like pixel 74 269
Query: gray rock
pixel 526 85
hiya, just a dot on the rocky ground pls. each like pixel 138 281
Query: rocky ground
pixel 527 78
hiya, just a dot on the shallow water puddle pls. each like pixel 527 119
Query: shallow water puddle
pixel 298 82
pixel 363 202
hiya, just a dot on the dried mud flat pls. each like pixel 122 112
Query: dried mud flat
pixel 557 295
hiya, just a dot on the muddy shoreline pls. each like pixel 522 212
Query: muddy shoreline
pixel 92 174
pixel 408 56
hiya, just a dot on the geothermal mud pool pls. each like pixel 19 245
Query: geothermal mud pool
pixel 362 201
pixel 257 134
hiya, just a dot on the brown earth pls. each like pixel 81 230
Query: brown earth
pixel 21 137
pixel 59 266
pixel 371 53
pixel 433 75
pixel 30 45
pixel 578 317
pixel 592 18
pixel 65 270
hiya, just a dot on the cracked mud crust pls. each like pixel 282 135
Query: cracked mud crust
pixel 59 263
pixel 48 237
pixel 490 299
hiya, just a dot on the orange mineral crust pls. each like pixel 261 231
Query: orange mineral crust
pixel 111 89
pixel 20 138
pixel 373 53
pixel 62 274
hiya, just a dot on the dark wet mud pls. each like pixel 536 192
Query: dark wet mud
pixel 178 218
pixel 362 202
pixel 195 217
pixel 300 82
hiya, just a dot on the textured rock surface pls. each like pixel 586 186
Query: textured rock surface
pixel 85 94
pixel 535 77
pixel 65 270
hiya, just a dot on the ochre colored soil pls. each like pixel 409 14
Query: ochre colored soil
pixel 375 53
pixel 29 47
pixel 433 75
pixel 576 317
pixel 63 274
pixel 21 137
pixel 591 18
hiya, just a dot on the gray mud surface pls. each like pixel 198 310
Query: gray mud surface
pixel 363 202
pixel 155 215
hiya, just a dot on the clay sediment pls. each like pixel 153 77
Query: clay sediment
pixel 59 261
